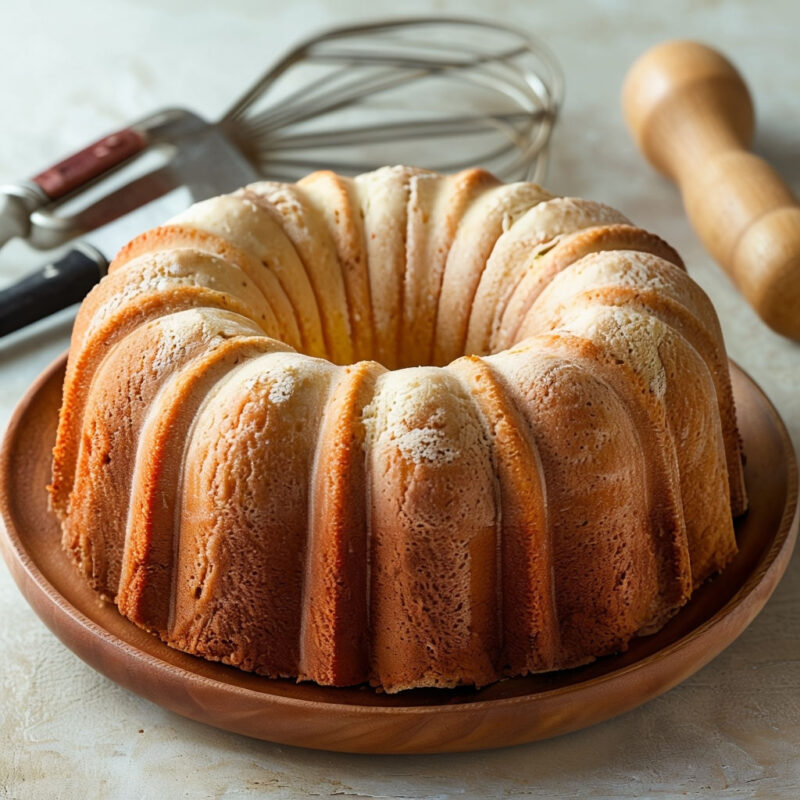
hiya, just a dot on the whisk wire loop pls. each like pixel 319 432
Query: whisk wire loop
pixel 357 97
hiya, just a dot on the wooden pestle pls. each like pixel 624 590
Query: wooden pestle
pixel 691 115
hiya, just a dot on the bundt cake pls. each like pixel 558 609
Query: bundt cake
pixel 410 429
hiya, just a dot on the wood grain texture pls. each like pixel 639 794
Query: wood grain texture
pixel 420 721
pixel 691 114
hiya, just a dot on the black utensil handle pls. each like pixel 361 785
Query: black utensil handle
pixel 55 286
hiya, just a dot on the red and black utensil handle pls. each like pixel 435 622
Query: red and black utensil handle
pixel 59 284
pixel 91 162
pixel 19 200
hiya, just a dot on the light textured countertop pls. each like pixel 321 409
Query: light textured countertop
pixel 71 72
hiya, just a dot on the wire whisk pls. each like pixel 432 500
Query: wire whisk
pixel 442 93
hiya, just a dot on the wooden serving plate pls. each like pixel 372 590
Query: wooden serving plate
pixel 421 721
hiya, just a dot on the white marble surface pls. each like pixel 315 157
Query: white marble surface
pixel 71 71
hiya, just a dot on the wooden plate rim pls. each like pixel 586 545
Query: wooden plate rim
pixel 13 548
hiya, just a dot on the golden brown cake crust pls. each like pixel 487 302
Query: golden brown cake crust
pixel 405 429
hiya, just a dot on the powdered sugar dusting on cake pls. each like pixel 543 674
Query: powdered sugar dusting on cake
pixel 516 199
pixel 628 336
pixel 280 374
pixel 420 413
pixel 623 268
pixel 282 389
pixel 154 273
pixel 428 444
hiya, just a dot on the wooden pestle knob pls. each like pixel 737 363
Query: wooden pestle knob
pixel 691 115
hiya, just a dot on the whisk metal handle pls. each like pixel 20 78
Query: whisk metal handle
pixel 19 200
